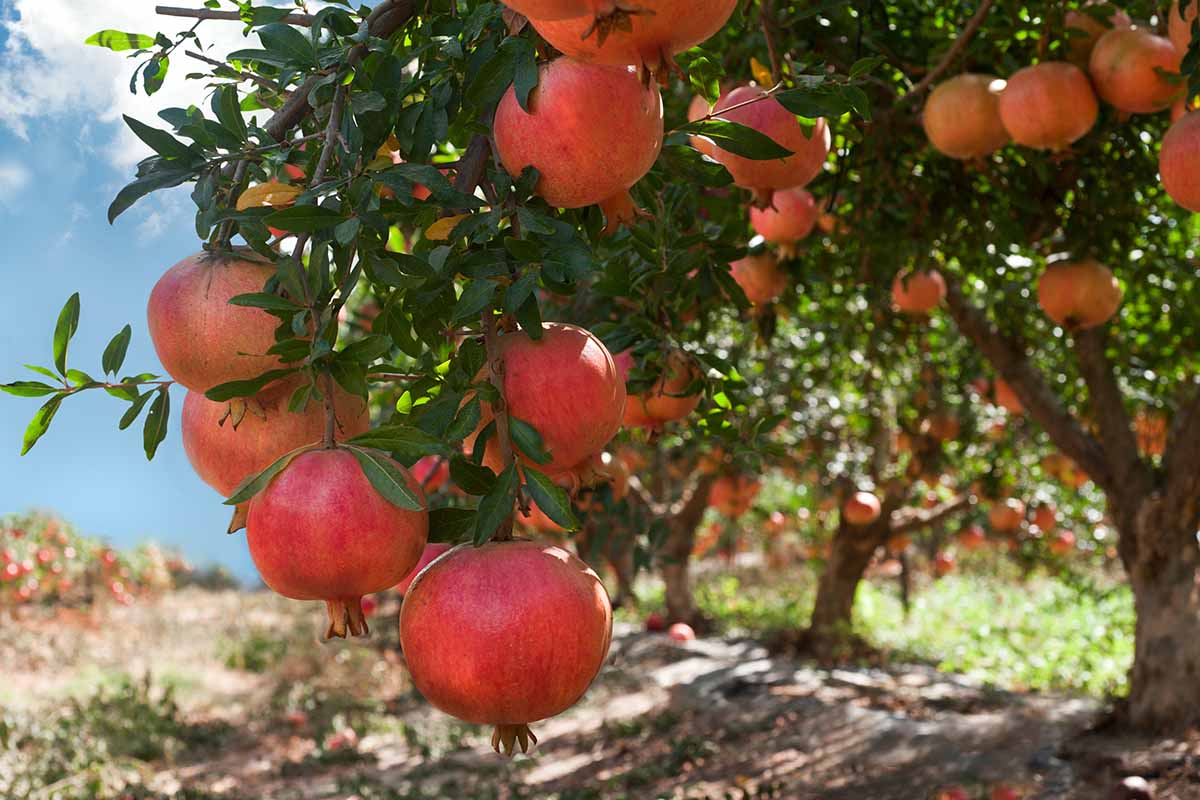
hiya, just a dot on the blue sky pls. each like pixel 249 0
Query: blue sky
pixel 62 158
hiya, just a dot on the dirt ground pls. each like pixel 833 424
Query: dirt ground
pixel 714 718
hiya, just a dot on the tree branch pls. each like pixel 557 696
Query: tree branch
pixel 304 20
pixel 266 83
pixel 960 44
pixel 917 519
pixel 1182 462
pixel 1029 384
pixel 687 513
pixel 473 164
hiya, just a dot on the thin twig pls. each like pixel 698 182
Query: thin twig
pixel 225 232
pixel 716 113
pixel 304 20
pixel 964 38
pixel 123 385
pixel 240 74
pixel 495 361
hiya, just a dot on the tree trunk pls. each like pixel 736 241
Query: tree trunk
pixel 676 553
pixel 830 629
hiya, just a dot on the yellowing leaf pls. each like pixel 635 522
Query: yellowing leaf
pixel 440 231
pixel 271 193
pixel 761 73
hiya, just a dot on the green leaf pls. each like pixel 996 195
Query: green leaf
pixel 155 73
pixel 388 478
pixel 406 441
pixel 114 353
pixel 467 420
pixel 525 71
pixel 289 43
pixel 28 388
pixel 68 321
pixel 368 350
pixel 155 429
pixel 812 104
pixel 471 478
pixel 264 300
pixel 40 422
pixel 304 219
pixel 496 506
pixel 228 111
pixel 134 410
pixel 42 371
pixel 865 65
pixel 528 440
pixel 551 499
pixel 451 524
pixel 161 142
pixel 118 41
pixel 256 483
pixel 77 377
pixel 247 388
pixel 738 139
pixel 164 176
pixel 476 296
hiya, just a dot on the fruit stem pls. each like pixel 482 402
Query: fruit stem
pixel 505 738
pixel 495 361
pixel 346 615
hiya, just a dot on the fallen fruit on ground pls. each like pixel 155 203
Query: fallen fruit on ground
pixel 681 632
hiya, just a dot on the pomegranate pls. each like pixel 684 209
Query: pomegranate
pixel 942 426
pixel 505 634
pixel 681 632
pixel 769 117
pixel 962 116
pixel 1179 28
pixel 1179 161
pixel 1006 398
pixel 537 522
pixel 1006 515
pixel 664 402
pixel 431 552
pixel 1151 430
pixel 972 538
pixel 698 109
pixel 791 217
pixel 320 531
pixel 231 441
pixel 732 495
pixel 431 472
pixel 944 563
pixel 201 339
pixel 553 9
pixel 655 622
pixel 591 131
pixel 918 292
pixel 899 543
pixel 1063 543
pixel 1126 68
pixel 568 387
pixel 862 508
pixel 1048 105
pixel 953 793
pixel 1045 518
pixel 1084 30
pixel 1080 294
pixel 761 278
pixel 648 36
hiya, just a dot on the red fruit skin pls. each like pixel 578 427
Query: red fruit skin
pixel 1179 29
pixel 592 132
pixel 1079 295
pixel 918 292
pixel 223 456
pixel 320 531
pixel 1179 161
pixel 962 117
pixel 761 278
pixel 681 632
pixel 1048 105
pixel 772 119
pixel 201 340
pixel 552 9
pixel 1124 67
pixel 862 508
pixel 431 552
pixel 432 472
pixel 656 622
pixel 650 39
pixel 660 404
pixel 519 661
pixel 791 216
pixel 733 495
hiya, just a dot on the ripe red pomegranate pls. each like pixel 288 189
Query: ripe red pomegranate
pixel 538 523
pixel 770 118
pixel 732 495
pixel 1006 398
pixel 592 132
pixel 681 632
pixel 1179 161
pixel 1079 294
pixel 791 217
pixel 1045 518
pixel 231 441
pixel 648 36
pixel 972 538
pixel 699 109
pixel 505 634
pixel 1126 68
pixel 553 9
pixel 1063 543
pixel 918 292
pixel 1084 31
pixel 656 622
pixel 899 543
pixel 762 279
pixel 944 563
pixel 431 552
pixel 1151 429
pixel 201 340
pixel 862 508
pixel 566 385
pixel 962 116
pixel 320 531
pixel 1006 515
pixel 664 402
pixel 1048 105
pixel 1179 28
pixel 431 472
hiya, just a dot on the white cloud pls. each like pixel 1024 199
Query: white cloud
pixel 13 178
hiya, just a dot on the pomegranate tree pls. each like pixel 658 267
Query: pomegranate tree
pixel 761 278
pixel 1049 105
pixel 1079 294
pixel 962 116
pixel 1084 29
pixel 1135 71
pixel 1006 515
pixel 768 116
pixel 505 634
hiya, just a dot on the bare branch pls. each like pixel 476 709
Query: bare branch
pixel 266 83
pixel 960 44
pixel 473 165
pixel 304 20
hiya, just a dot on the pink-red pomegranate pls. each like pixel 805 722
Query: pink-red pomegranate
pixel 918 292
pixel 962 116
pixel 943 564
pixel 681 632
pixel 1079 294
pixel 228 442
pixel 1006 398
pixel 791 217
pixel 656 622
pixel 648 36
pixel 505 634
pixel 732 495
pixel 862 508
pixel 554 9
pixel 973 538
pixel 431 472
pixel 770 118
pixel 591 131
pixel 1048 105
pixel 1063 543
pixel 1179 161
pixel 1084 30
pixel 428 555
pixel 201 339
pixel 1179 28
pixel 1130 69
pixel 762 279
pixel 665 401
pixel 1006 515
pixel 321 531
pixel 1045 518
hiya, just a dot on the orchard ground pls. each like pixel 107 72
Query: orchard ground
pixel 991 679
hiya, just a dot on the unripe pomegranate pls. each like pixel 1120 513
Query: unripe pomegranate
pixel 1179 28
pixel 962 116
pixel 228 442
pixel 681 632
pixel 431 472
pixel 1126 68
pixel 1048 105
pixel 664 402
pixel 1006 398
pixel 1179 161
pixel 553 9
pixel 201 339
pixel 1007 515
pixel 648 36
pixel 862 508
pixel 918 292
pixel 505 634
pixel 431 552
pixel 771 119
pixel 791 217
pixel 972 538
pixel 944 563
pixel 591 131
pixel 762 279
pixel 1079 294
pixel 1084 31
pixel 321 531
pixel 566 385
pixel 733 495
pixel 1063 543
pixel 1045 518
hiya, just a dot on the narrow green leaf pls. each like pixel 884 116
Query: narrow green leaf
pixel 264 300
pixel 228 111
pixel 68 321
pixel 28 388
pixel 160 141
pixel 289 43
pixel 155 428
pixel 40 422
pixel 304 219
pixel 451 524
pixel 42 371
pixel 406 441
pixel 388 478
pixel 476 296
pixel 114 353
pixel 496 506
pixel 551 499
pixel 256 483
pixel 738 139
pixel 528 440
pixel 134 410
pixel 118 41
pixel 232 389
pixel 471 478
